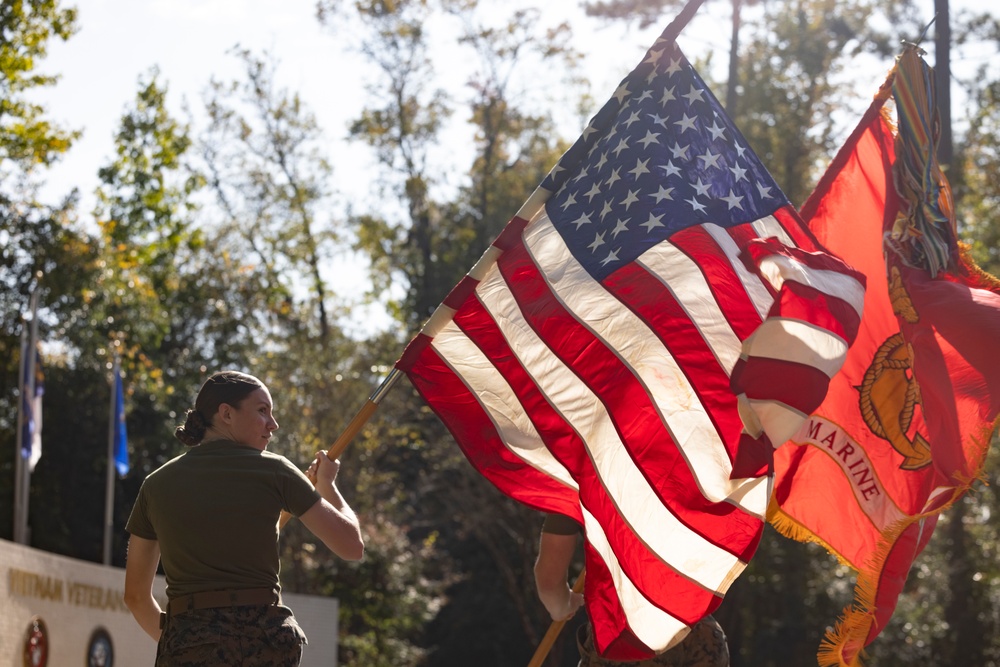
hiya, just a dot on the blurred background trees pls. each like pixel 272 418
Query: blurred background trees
pixel 222 243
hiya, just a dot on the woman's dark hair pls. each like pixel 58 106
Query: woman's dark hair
pixel 229 387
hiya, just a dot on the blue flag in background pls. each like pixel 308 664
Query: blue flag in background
pixel 31 441
pixel 121 438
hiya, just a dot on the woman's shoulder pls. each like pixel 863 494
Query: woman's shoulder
pixel 277 461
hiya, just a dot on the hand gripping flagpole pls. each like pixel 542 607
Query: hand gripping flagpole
pixel 355 425
pixel 553 632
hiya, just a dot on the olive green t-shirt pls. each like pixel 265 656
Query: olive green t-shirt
pixel 214 511
pixel 560 524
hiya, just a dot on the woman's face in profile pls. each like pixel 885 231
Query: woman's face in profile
pixel 251 422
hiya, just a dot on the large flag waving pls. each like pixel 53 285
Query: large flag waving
pixel 906 423
pixel 598 359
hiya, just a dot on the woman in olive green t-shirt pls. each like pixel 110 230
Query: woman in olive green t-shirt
pixel 211 516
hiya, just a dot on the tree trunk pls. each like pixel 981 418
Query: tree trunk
pixel 734 61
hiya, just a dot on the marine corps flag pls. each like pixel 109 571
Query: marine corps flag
pixel 906 423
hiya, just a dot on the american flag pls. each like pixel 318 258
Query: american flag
pixel 597 360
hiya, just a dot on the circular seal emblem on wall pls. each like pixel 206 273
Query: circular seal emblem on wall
pixel 36 644
pixel 100 651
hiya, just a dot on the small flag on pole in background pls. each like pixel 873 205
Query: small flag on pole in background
pixel 121 437
pixel 34 388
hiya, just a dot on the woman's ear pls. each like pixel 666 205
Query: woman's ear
pixel 225 412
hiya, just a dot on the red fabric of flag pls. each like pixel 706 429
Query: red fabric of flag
pixel 905 424
pixel 612 357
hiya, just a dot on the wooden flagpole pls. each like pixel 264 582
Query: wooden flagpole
pixel 363 415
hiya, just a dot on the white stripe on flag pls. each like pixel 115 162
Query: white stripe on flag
pixel 778 268
pixel 683 277
pixel 799 342
pixel 768 227
pixel 640 349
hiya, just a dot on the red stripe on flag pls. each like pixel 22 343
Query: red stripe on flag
pixel 808 304
pixel 511 234
pixel 412 353
pixel 789 220
pixel 801 387
pixel 612 635
pixel 559 437
pixel 460 292
pixel 684 599
pixel 721 277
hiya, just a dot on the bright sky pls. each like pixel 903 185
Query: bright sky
pixel 189 40
pixel 120 40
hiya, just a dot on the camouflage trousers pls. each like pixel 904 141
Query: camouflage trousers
pixel 705 646
pixel 250 636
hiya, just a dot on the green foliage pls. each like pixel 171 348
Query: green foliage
pixel 264 162
pixel 143 210
pixel 794 83
pixel 387 598
pixel 27 139
pixel 978 205
pixel 402 122
pixel 34 239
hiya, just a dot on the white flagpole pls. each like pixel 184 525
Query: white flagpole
pixel 109 489
pixel 26 383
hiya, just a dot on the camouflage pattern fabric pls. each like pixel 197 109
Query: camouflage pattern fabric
pixel 250 636
pixel 705 646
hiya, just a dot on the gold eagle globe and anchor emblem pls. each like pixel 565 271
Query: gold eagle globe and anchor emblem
pixel 888 393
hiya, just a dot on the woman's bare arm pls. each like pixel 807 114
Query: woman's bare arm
pixel 140 569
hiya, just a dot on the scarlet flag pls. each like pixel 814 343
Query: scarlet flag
pixel 905 424
pixel 596 362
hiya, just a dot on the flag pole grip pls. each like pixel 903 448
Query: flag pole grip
pixel 355 425
pixel 553 632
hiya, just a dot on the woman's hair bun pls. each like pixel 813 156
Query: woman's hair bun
pixel 193 429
